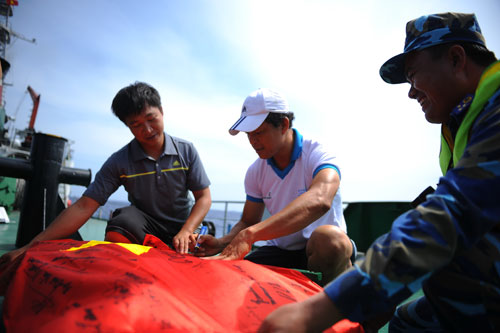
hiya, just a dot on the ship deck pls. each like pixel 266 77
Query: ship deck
pixel 92 230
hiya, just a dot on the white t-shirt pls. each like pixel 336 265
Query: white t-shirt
pixel 264 182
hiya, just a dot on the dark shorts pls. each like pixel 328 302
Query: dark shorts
pixel 274 256
pixel 135 224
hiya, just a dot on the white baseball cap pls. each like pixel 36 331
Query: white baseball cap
pixel 256 108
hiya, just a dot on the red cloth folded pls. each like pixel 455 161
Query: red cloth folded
pixel 96 286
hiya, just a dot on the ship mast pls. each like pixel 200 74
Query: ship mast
pixel 8 137
pixel 6 35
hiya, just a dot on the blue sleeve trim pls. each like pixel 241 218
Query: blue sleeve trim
pixel 250 198
pixel 324 166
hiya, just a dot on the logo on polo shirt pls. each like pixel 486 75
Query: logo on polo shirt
pixel 176 163
pixel 268 197
pixel 301 191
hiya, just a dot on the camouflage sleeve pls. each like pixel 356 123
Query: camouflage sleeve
pixel 464 208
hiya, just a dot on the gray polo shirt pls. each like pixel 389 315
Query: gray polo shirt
pixel 158 188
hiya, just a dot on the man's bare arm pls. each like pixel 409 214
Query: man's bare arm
pixel 302 211
pixel 297 215
pixel 203 201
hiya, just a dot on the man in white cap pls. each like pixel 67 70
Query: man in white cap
pixel 298 182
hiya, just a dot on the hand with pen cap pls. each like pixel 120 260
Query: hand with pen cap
pixel 208 245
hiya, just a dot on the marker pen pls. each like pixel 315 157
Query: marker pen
pixel 203 231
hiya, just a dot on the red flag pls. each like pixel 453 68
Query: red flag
pixel 99 286
pixel 12 2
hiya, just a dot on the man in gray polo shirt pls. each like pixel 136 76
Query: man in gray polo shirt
pixel 156 169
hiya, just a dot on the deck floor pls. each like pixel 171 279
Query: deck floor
pixel 92 230
pixel 8 233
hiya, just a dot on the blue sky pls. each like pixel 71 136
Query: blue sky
pixel 205 57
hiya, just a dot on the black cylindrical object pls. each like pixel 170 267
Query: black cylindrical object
pixel 75 176
pixel 15 168
pixel 39 206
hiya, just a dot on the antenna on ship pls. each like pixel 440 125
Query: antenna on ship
pixel 6 33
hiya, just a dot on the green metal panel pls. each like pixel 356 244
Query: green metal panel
pixel 2 121
pixel 7 193
pixel 366 221
pixel 8 232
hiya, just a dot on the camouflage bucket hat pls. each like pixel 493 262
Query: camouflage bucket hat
pixel 431 30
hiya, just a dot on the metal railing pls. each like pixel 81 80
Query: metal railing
pixel 223 221
pixel 226 220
